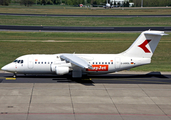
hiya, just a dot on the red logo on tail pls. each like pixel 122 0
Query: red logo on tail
pixel 143 46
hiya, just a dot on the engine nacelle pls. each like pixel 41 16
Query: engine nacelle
pixel 61 70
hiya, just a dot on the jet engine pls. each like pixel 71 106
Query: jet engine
pixel 61 70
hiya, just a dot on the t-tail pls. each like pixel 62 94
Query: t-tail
pixel 145 45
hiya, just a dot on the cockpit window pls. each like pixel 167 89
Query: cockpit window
pixel 18 61
pixel 15 60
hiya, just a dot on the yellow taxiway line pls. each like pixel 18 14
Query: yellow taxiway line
pixel 10 78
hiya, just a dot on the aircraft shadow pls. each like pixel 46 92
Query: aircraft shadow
pixel 90 80
pixel 149 75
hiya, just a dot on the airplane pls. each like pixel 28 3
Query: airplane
pixel 107 5
pixel 139 53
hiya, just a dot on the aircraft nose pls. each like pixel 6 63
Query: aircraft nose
pixel 4 68
pixel 7 67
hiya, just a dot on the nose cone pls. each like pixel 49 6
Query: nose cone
pixel 8 67
pixel 5 68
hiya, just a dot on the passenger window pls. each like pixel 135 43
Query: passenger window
pixel 99 62
pixel 51 62
pixel 93 62
pixel 102 62
pixel 38 62
pixel 48 62
pixel 22 61
pixel 45 62
pixel 96 62
pixel 35 62
pixel 111 62
pixel 105 62
pixel 108 62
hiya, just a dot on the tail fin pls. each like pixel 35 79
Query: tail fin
pixel 145 45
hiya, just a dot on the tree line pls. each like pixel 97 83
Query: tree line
pixel 5 2
pixel 137 3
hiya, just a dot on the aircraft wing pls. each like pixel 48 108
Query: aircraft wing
pixel 76 60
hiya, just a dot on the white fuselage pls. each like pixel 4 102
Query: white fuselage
pixel 101 63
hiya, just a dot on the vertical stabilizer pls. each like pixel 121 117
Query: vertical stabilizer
pixel 145 45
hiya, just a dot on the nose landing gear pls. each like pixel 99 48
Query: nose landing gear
pixel 14 76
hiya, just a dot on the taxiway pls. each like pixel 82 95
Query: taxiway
pixel 78 29
pixel 120 96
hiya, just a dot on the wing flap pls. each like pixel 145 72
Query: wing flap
pixel 76 60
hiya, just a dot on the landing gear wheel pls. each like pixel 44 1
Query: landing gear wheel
pixel 14 76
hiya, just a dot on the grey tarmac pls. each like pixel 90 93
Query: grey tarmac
pixel 120 96
pixel 78 29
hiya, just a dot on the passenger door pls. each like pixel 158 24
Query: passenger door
pixel 117 63
pixel 30 63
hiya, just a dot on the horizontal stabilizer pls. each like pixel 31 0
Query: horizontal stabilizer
pixel 160 34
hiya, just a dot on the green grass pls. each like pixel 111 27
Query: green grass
pixel 66 36
pixel 111 43
pixel 85 21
